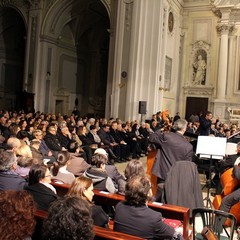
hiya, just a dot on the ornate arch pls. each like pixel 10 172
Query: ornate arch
pixel 61 13
pixel 20 6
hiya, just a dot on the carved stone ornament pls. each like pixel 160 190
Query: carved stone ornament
pixel 5 3
pixel 62 92
pixel 18 3
pixel 34 4
pixel 225 28
pixel 198 90
pixel 201 44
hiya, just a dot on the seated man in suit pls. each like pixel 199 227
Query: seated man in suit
pixel 9 179
pixel 135 218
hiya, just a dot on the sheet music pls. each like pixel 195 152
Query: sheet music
pixel 231 148
pixel 214 147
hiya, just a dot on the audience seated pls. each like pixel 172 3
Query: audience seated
pixel 118 138
pixel 135 218
pixel 142 141
pixel 101 180
pixel 40 188
pixel 77 164
pixel 17 215
pixel 111 170
pixel 134 168
pixel 82 188
pixel 13 144
pixel 9 179
pixel 52 141
pixel 43 148
pixel 68 219
pixel 64 137
pixel 24 150
pixel 108 141
pixel 34 146
pixel 24 165
pixel 93 137
pixel 86 142
pixel 59 168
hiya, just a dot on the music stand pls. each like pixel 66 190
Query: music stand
pixel 211 148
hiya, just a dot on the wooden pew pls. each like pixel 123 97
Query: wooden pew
pixel 167 210
pixel 100 233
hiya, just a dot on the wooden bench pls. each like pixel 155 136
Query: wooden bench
pixel 111 199
pixel 100 233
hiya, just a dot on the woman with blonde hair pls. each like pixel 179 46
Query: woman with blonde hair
pixel 24 150
pixel 82 188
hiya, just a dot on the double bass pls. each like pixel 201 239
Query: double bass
pixel 229 184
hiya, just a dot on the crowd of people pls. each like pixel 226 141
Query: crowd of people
pixel 36 148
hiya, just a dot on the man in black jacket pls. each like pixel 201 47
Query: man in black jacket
pixel 172 147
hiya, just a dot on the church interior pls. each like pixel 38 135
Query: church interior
pixel 124 60
pixel 103 57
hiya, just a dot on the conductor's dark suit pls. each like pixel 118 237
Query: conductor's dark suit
pixel 172 147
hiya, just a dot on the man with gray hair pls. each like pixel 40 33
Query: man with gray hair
pixel 9 179
pixel 171 147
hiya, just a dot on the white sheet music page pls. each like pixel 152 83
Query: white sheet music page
pixel 214 147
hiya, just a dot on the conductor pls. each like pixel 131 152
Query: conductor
pixel 172 147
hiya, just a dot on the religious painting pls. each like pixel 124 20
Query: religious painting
pixel 168 72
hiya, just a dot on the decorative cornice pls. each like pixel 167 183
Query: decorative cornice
pixel 198 90
pixel 6 3
pixel 9 3
pixel 201 44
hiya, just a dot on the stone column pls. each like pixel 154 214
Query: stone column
pixel 223 30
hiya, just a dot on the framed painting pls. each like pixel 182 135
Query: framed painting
pixel 168 73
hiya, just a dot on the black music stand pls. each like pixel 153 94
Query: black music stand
pixel 211 148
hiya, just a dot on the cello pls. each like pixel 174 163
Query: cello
pixel 229 184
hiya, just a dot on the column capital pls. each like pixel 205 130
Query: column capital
pixel 225 28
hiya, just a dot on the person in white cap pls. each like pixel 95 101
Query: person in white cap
pixel 113 173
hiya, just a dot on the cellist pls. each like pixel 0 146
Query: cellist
pixel 229 162
pixel 234 197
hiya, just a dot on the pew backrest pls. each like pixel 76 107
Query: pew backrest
pixel 100 233
pixel 111 199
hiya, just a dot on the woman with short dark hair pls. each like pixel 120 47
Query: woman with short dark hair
pixel 98 174
pixel 134 168
pixel 17 215
pixel 68 219
pixel 39 186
